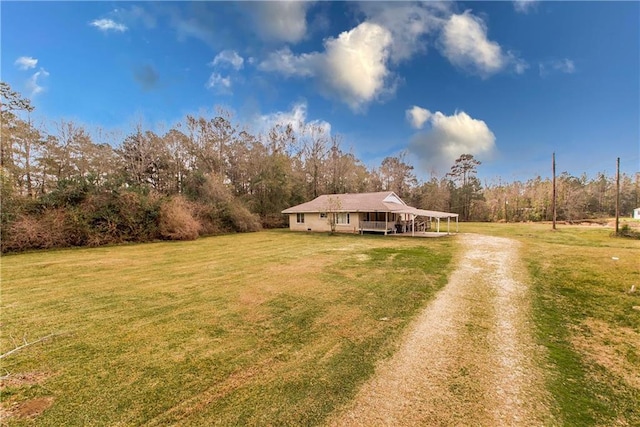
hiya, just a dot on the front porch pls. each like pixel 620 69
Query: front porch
pixel 414 223
pixel 379 222
pixel 376 226
pixel 397 227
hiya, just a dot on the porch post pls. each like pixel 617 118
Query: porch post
pixel 386 221
pixel 457 225
pixel 438 225
pixel 448 223
pixel 413 225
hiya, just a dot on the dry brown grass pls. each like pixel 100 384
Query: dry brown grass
pixel 270 328
pixel 614 348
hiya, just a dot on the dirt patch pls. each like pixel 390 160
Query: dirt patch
pixel 22 380
pixel 615 349
pixel 469 358
pixel 33 408
pixel 25 410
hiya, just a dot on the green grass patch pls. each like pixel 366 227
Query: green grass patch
pixel 269 328
pixel 584 316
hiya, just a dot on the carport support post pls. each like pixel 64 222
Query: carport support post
pixel 457 225
pixel 448 224
pixel 438 225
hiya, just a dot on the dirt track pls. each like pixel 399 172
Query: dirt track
pixel 469 359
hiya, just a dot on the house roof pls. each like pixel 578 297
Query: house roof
pixel 383 201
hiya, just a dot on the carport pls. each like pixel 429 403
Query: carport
pixel 431 215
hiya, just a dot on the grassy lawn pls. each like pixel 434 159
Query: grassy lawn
pixel 269 328
pixel 584 317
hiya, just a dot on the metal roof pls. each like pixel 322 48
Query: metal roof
pixel 431 214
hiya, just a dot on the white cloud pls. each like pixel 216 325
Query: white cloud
pixel 352 68
pixel 198 21
pixel 219 83
pixel 524 6
pixel 409 24
pixel 355 64
pixel 356 67
pixel 34 84
pixel 280 21
pixel 26 62
pixel 565 66
pixel 519 65
pixel 108 25
pixel 134 14
pixel 285 62
pixel 296 118
pixel 192 27
pixel 448 138
pixel 229 57
pixel 417 116
pixel 464 43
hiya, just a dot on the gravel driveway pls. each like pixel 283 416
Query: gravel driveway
pixel 469 358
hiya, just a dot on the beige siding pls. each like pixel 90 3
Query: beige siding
pixel 353 226
pixel 313 222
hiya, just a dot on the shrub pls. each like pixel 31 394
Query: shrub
pixel 37 232
pixel 275 221
pixel 77 227
pixel 116 217
pixel 105 224
pixel 226 211
pixel 240 218
pixel 626 231
pixel 176 221
pixel 208 219
pixel 138 215
pixel 69 192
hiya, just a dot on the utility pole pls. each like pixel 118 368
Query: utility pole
pixel 617 195
pixel 553 202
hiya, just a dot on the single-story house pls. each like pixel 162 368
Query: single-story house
pixel 383 212
pixel 636 213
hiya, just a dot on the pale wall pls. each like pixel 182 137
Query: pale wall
pixel 315 223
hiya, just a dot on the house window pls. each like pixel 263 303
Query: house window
pixel 342 218
pixel 323 215
pixel 300 218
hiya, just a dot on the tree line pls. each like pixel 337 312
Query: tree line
pixel 67 186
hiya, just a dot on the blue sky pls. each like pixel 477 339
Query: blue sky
pixel 510 82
